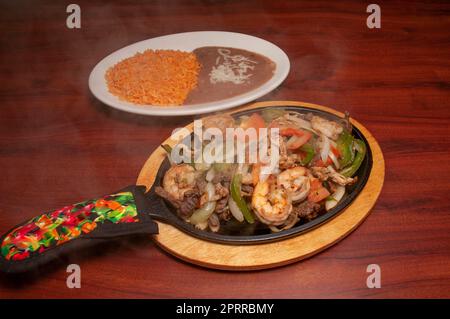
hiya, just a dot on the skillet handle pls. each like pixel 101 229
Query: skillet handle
pixel 75 227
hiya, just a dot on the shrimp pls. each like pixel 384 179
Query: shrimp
pixel 295 181
pixel 271 204
pixel 328 128
pixel 178 180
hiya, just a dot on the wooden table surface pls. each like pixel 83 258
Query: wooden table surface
pixel 59 145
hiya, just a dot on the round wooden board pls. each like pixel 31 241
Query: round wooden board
pixel 262 256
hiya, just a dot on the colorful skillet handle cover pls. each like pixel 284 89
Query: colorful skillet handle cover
pixel 49 235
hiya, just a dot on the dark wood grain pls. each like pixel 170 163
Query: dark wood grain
pixel 59 145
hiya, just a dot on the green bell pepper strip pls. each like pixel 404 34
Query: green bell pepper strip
pixel 309 154
pixel 235 188
pixel 345 148
pixel 361 150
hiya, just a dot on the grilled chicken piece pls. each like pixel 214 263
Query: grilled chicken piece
pixel 328 128
pixel 325 173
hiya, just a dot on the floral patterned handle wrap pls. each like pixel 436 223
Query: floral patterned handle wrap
pixel 122 213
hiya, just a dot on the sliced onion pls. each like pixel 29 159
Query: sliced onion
pixel 304 124
pixel 336 197
pixel 334 159
pixel 210 190
pixel 201 226
pixel 234 209
pixel 201 215
pixel 274 229
pixel 325 151
pixel 291 141
pixel 332 156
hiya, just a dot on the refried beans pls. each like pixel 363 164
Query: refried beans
pixel 228 72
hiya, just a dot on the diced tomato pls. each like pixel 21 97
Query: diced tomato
pixel 315 184
pixel 255 121
pixel 318 195
pixel 318 192
pixel 335 151
pixel 291 132
pixel 299 141
pixel 320 163
pixel 299 138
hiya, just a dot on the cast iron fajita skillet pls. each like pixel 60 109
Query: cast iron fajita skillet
pixel 131 211
pixel 163 211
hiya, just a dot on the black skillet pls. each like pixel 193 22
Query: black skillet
pixel 150 206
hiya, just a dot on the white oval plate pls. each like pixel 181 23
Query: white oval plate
pixel 188 42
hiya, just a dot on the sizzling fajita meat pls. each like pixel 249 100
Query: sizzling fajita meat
pixel 318 158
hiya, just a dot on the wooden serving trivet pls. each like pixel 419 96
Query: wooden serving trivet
pixel 262 256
